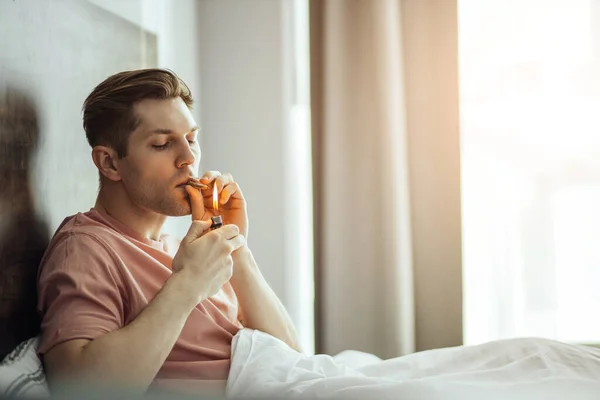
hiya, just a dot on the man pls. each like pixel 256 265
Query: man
pixel 124 304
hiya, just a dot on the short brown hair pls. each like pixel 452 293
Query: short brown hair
pixel 108 114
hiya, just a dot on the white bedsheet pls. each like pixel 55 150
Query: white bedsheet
pixel 516 369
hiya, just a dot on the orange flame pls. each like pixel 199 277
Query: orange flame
pixel 215 198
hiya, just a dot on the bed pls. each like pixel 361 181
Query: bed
pixel 265 367
pixel 516 369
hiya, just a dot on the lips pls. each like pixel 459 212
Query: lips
pixel 184 181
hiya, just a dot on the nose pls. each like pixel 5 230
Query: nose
pixel 187 156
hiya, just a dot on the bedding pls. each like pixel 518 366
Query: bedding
pixel 515 369
pixel 22 374
pixel 263 367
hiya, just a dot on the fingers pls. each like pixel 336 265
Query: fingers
pixel 228 191
pixel 200 228
pixel 197 229
pixel 229 235
pixel 196 202
pixel 237 242
pixel 219 179
pixel 228 231
pixel 209 176
pixel 223 180
pixel 226 186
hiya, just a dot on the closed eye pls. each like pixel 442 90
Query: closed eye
pixel 161 146
pixel 192 139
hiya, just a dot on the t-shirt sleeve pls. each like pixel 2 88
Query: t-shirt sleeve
pixel 80 292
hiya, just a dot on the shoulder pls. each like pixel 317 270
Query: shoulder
pixel 79 262
pixel 71 242
pixel 82 229
pixel 78 244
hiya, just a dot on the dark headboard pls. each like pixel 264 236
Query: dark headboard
pixel 23 236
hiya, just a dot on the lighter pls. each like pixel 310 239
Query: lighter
pixel 217 220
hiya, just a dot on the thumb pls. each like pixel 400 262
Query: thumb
pixel 197 229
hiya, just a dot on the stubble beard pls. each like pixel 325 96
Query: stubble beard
pixel 166 202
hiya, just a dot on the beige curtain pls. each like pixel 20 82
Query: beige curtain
pixel 384 97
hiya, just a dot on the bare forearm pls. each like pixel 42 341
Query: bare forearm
pixel 261 308
pixel 133 355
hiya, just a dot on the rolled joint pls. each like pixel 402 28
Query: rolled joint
pixel 197 185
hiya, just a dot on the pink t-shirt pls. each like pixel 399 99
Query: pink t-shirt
pixel 97 275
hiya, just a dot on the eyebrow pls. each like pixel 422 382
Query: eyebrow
pixel 162 131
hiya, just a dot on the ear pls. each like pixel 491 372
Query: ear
pixel 106 161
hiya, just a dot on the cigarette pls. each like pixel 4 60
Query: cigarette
pixel 197 185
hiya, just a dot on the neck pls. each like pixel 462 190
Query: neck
pixel 115 202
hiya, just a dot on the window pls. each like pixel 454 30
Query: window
pixel 530 145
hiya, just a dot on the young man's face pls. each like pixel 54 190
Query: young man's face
pixel 162 153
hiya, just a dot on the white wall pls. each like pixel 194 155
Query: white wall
pixel 247 80
pixel 243 106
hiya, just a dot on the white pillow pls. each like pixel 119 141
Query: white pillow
pixel 22 374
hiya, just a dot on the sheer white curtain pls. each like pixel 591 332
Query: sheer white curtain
pixel 530 133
